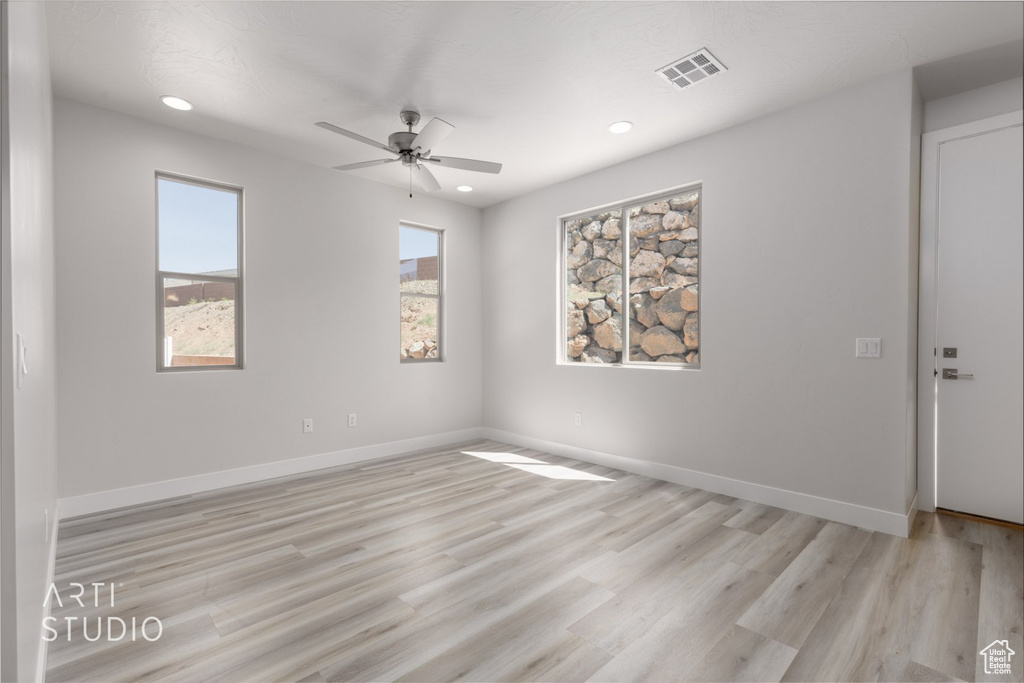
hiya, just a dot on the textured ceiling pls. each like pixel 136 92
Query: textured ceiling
pixel 533 85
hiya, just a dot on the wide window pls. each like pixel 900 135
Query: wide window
pixel 631 294
pixel 420 289
pixel 199 276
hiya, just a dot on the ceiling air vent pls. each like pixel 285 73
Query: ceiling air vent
pixel 691 69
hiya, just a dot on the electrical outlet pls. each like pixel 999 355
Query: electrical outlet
pixel 352 420
pixel 578 419
pixel 307 425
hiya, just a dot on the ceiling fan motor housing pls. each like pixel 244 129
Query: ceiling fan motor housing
pixel 401 141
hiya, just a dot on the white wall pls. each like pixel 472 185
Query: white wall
pixel 28 444
pixel 974 105
pixel 321 312
pixel 808 236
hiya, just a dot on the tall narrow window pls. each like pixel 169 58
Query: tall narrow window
pixel 199 276
pixel 420 289
pixel 650 250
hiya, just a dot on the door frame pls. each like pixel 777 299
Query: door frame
pixel 931 152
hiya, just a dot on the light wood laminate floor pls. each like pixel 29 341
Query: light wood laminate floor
pixel 469 563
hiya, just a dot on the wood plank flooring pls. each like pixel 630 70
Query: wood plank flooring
pixel 451 564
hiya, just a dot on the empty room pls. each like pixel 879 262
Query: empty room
pixel 512 341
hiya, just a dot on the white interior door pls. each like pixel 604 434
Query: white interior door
pixel 979 296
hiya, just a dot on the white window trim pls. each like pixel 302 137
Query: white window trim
pixel 440 296
pixel 238 279
pixel 624 206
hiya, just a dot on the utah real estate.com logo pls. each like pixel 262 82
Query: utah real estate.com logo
pixel 95 628
pixel 997 657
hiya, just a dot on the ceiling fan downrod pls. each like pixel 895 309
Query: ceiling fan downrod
pixel 409 118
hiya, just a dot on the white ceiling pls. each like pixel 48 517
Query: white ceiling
pixel 533 85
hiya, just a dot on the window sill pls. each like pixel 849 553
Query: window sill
pixel 632 366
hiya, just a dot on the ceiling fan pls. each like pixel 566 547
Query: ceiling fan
pixel 413 150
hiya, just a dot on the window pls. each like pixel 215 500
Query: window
pixel 199 274
pixel 420 290
pixel 657 320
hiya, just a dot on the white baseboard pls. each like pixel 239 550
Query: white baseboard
pixel 51 563
pixel 911 514
pixel 848 513
pixel 171 488
pixel 835 510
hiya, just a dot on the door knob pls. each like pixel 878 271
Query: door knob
pixel 951 373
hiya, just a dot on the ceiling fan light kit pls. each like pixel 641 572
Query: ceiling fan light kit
pixel 413 150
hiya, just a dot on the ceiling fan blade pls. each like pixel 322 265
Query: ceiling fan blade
pixel 355 136
pixel 426 179
pixel 364 164
pixel 466 164
pixel 432 134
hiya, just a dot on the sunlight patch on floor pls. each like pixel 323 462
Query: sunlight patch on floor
pixel 534 466
pixel 503 457
pixel 559 472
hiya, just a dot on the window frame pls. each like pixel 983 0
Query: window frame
pixel 237 280
pixel 439 297
pixel 624 207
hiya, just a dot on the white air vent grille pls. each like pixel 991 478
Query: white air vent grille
pixel 691 69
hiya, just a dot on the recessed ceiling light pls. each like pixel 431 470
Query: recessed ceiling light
pixel 464 188
pixel 620 127
pixel 176 102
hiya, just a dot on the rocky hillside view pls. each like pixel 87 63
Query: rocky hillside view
pixel 662 302
pixel 419 319
pixel 207 328
pixel 202 328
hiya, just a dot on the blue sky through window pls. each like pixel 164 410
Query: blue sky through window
pixel 416 243
pixel 198 228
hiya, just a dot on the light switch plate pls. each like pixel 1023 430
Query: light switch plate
pixel 869 347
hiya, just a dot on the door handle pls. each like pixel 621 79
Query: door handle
pixel 951 373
